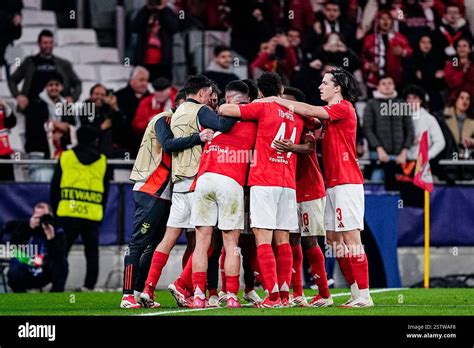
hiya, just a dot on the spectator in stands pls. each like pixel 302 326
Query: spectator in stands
pixel 276 56
pixel 128 99
pixel 294 38
pixel 209 14
pixel 384 52
pixel 335 51
pixel 387 128
pixel 460 120
pixel 418 19
pixel 303 17
pixel 160 101
pixel 48 264
pixel 105 108
pixel 36 70
pixel 452 27
pixel 220 69
pixel 155 24
pixel 423 121
pixel 48 129
pixel 7 121
pixel 329 21
pixel 425 69
pixel 459 72
pixel 10 26
pixel 82 172
pixel 251 25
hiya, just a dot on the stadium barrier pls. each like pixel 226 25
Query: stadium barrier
pixel 398 226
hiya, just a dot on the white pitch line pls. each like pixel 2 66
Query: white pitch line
pixel 211 308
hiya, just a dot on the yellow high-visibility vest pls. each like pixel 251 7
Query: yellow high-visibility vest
pixel 82 187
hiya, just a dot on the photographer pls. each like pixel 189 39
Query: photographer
pixel 48 264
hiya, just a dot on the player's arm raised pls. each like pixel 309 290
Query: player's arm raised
pixel 299 108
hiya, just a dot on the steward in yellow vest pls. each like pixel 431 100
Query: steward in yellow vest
pixel 78 195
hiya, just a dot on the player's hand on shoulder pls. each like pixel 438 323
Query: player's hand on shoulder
pixel 206 135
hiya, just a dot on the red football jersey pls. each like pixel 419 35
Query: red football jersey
pixel 309 180
pixel 341 165
pixel 275 122
pixel 230 153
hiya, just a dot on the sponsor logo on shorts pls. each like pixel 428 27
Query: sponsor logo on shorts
pixel 341 225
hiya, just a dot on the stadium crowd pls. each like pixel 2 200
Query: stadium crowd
pixel 393 48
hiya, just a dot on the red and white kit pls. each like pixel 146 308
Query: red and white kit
pixel 310 194
pixel 272 177
pixel 219 193
pixel 345 192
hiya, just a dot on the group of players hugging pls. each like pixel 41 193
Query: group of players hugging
pixel 243 180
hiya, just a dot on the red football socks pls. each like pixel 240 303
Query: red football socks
pixel 345 265
pixel 318 270
pixel 297 271
pixel 199 284
pixel 267 263
pixel 360 270
pixel 187 254
pixel 284 261
pixel 221 266
pixel 185 280
pixel 233 284
pixel 158 262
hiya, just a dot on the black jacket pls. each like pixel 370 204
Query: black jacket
pixel 427 64
pixel 26 72
pixel 384 126
pixel 122 132
pixel 101 114
pixel 36 114
pixel 86 154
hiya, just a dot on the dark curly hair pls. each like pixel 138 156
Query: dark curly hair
pixel 295 92
pixel 237 86
pixel 348 83
pixel 253 89
pixel 195 83
pixel 269 84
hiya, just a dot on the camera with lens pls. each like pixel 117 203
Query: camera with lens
pixel 47 219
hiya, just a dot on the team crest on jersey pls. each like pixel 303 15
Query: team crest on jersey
pixel 145 227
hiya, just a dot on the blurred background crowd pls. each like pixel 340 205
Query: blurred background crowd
pixel 413 60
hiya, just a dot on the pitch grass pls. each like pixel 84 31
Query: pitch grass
pixel 424 302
